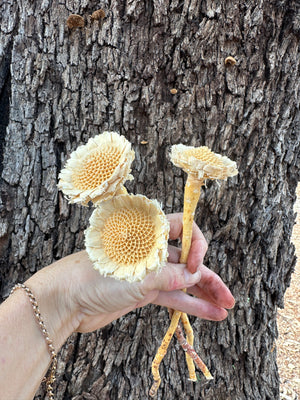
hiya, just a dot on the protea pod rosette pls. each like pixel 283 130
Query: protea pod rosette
pixel 128 237
pixel 202 163
pixel 97 170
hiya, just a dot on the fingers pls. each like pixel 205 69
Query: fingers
pixel 174 254
pixel 200 308
pixel 198 245
pixel 196 254
pixel 176 227
pixel 213 296
pixel 195 258
pixel 171 277
pixel 212 289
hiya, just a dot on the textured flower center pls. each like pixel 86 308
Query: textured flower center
pixel 96 168
pixel 128 236
pixel 204 154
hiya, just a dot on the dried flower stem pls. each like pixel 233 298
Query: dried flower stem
pixel 190 350
pixel 191 197
pixel 192 353
pixel 192 192
pixel 190 338
pixel 161 352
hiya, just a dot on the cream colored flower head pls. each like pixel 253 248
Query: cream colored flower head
pixel 202 163
pixel 98 169
pixel 128 237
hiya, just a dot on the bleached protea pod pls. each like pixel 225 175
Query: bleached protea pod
pixel 128 237
pixel 97 170
pixel 202 163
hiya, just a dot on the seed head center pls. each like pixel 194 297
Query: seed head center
pixel 128 236
pixel 96 168
pixel 206 155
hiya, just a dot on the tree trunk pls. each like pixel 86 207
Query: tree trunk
pixel 61 86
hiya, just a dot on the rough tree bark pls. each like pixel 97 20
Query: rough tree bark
pixel 59 87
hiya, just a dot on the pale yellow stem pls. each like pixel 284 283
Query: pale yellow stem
pixel 190 339
pixel 191 351
pixel 191 197
pixel 161 352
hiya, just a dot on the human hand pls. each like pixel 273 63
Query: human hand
pixel 100 299
pixel 94 300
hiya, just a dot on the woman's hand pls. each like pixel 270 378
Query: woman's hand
pixel 99 300
pixel 86 301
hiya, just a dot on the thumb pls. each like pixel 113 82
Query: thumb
pixel 172 277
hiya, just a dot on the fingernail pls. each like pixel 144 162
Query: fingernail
pixel 191 279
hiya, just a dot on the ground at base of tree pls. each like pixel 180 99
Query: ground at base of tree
pixel 288 343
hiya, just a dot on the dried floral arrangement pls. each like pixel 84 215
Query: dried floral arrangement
pixel 128 234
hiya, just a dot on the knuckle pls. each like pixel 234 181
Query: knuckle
pixel 176 281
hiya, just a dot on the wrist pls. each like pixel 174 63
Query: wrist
pixel 51 293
